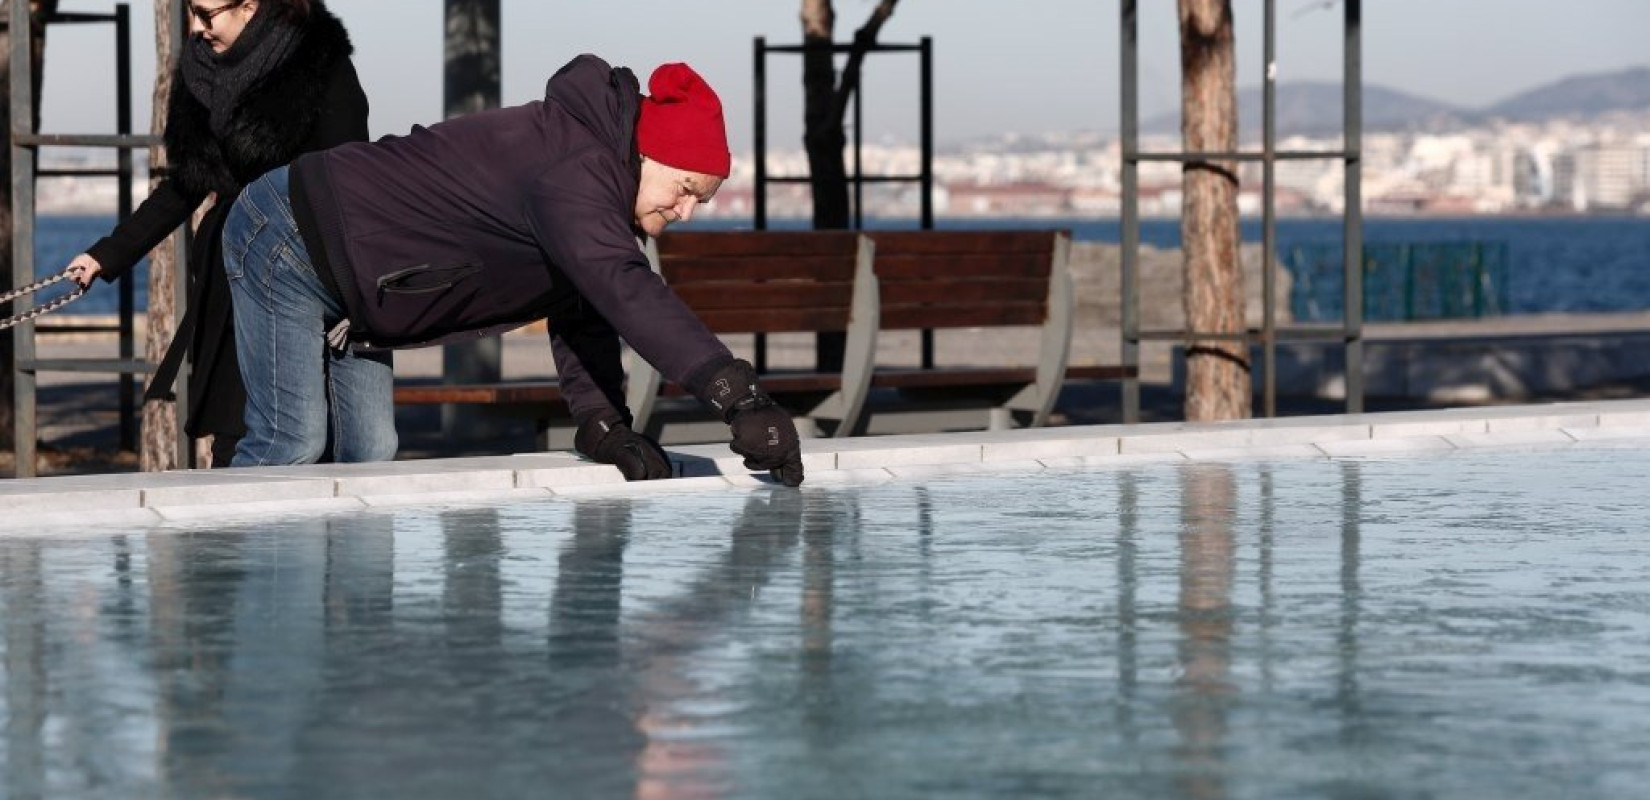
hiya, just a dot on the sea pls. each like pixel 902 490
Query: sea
pixel 1571 264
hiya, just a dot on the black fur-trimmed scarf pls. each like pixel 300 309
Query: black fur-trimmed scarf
pixel 271 119
pixel 218 80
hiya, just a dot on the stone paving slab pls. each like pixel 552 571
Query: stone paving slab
pixel 89 503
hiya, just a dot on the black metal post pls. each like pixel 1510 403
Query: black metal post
pixel 1130 246
pixel 22 243
pixel 123 209
pixel 759 343
pixel 859 157
pixel 926 181
pixel 759 138
pixel 1268 231
pixel 926 58
pixel 1352 90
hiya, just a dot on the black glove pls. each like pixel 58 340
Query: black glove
pixel 609 440
pixel 762 431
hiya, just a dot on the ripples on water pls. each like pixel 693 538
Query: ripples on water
pixel 1472 626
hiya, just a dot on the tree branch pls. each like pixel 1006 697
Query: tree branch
pixel 864 39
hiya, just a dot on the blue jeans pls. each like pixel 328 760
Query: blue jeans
pixel 295 384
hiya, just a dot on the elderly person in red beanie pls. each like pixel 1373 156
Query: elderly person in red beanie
pixel 474 226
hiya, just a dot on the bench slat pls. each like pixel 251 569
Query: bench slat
pixel 680 271
pixel 973 316
pixel 908 267
pixel 992 292
pixel 775 320
pixel 487 393
pixel 770 294
pixel 939 242
pixel 838 244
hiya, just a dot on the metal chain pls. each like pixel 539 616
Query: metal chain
pixel 40 310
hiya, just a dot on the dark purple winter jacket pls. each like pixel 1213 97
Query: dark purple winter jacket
pixel 494 220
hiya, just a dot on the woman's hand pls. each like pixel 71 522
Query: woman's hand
pixel 84 270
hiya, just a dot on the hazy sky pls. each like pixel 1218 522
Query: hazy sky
pixel 1000 65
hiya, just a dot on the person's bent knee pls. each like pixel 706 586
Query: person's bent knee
pixel 380 447
pixel 368 435
pixel 289 451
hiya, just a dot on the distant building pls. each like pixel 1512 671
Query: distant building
pixel 1006 200
pixel 1606 177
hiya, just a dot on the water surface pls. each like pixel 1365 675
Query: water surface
pixel 1473 626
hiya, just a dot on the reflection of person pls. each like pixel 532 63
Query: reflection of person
pixel 259 82
pixel 481 224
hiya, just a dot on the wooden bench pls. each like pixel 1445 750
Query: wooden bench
pixel 947 280
pixel 747 282
pixel 860 284
pixel 768 282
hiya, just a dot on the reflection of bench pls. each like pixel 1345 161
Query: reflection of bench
pixel 767 282
pixel 948 280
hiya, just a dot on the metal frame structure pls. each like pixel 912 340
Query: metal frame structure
pixel 25 145
pixel 925 177
pixel 1350 332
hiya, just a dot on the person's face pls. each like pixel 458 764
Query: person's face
pixel 220 22
pixel 668 195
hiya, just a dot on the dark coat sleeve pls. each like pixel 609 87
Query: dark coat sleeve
pixel 167 207
pixel 578 214
pixel 589 365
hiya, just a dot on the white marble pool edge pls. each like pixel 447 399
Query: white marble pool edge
pixel 92 503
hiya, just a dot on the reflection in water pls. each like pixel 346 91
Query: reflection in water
pixel 25 632
pixel 818 585
pixel 589 685
pixel 1128 531
pixel 1268 600
pixel 194 583
pixel 1347 694
pixel 678 758
pixel 472 594
pixel 1417 628
pixel 1204 688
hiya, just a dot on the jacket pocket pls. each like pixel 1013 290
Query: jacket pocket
pixel 425 278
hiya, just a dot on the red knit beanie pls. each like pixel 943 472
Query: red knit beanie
pixel 681 123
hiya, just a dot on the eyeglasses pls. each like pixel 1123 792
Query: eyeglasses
pixel 206 15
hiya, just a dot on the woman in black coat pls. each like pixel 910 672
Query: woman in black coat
pixel 259 83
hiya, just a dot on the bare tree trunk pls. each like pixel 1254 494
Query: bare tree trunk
pixel 824 104
pixel 158 449
pixel 37 42
pixel 822 135
pixel 1217 372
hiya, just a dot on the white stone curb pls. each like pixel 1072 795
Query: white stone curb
pixel 94 503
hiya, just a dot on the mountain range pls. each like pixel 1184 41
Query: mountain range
pixel 1314 108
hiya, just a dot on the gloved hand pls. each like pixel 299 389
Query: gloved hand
pixel 762 431
pixel 609 440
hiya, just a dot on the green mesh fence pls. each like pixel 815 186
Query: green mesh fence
pixel 1402 282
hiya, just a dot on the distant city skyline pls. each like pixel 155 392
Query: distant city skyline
pixel 1054 69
